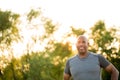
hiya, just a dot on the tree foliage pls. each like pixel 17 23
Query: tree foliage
pixel 8 33
pixel 33 14
pixel 8 29
pixel 104 43
pixel 48 64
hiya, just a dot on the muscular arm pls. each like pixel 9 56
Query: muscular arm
pixel 114 72
pixel 104 63
pixel 66 76
pixel 67 73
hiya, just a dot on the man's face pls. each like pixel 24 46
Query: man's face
pixel 82 45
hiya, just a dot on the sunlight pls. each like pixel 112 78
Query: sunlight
pixel 73 42
pixel 18 49
pixel 78 13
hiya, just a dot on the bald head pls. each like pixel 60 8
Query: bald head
pixel 82 37
pixel 82 44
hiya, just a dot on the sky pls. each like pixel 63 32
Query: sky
pixel 77 13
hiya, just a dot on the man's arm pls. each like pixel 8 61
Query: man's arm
pixel 114 72
pixel 66 76
pixel 67 73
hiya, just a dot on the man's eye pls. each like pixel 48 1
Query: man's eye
pixel 83 41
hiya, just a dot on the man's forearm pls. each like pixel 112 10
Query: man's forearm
pixel 115 75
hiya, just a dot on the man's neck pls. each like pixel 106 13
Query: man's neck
pixel 83 55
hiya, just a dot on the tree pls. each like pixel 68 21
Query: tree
pixel 13 70
pixel 43 65
pixel 104 43
pixel 48 63
pixel 8 28
pixel 8 33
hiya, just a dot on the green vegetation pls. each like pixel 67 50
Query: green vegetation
pixel 48 63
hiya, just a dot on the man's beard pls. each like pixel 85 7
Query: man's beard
pixel 82 51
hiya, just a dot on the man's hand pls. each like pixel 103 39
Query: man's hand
pixel 66 76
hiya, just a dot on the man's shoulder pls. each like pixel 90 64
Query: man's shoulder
pixel 72 57
pixel 94 54
pixel 99 56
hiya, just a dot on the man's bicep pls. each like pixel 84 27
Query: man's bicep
pixel 110 68
pixel 67 68
pixel 67 73
pixel 103 61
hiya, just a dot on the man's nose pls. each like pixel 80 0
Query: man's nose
pixel 80 44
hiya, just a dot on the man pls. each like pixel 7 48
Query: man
pixel 86 65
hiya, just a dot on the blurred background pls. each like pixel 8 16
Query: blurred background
pixel 38 36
